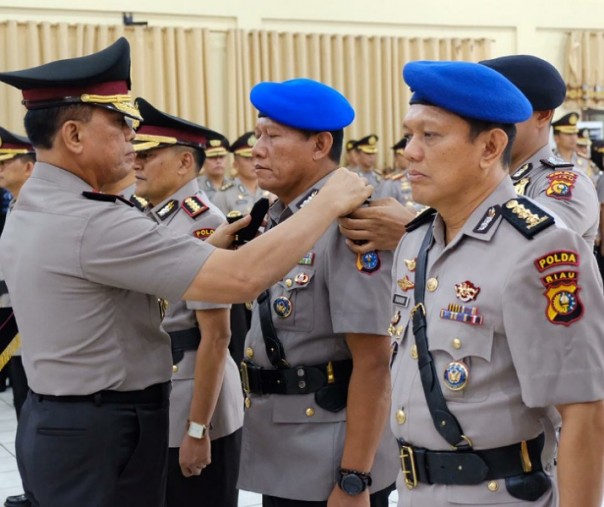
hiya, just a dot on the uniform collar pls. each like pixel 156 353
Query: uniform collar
pixel 535 159
pixel 188 189
pixel 60 176
pixel 278 212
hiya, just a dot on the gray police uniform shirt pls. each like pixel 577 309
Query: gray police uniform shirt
pixel 180 316
pixel 525 316
pixel 234 196
pixel 600 190
pixel 292 447
pixel 565 190
pixel 398 187
pixel 373 177
pixel 85 281
pixel 208 187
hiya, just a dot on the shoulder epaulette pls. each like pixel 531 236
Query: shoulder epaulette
pixel 139 202
pixel 307 198
pixel 521 171
pixel 97 196
pixel 528 218
pixel 167 209
pixel 226 186
pixel 555 162
pixel 397 177
pixel 423 218
pixel 194 206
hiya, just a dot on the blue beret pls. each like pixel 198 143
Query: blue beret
pixel 539 80
pixel 467 89
pixel 303 104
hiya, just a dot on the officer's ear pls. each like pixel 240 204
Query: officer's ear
pixel 544 118
pixel 323 144
pixel 187 162
pixel 495 141
pixel 70 135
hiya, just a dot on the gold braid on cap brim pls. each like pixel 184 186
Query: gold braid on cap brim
pixel 144 142
pixel 121 103
pixel 8 153
pixel 566 129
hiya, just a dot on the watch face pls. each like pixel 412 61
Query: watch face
pixel 352 484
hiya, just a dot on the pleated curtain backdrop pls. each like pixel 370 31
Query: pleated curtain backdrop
pixel 169 64
pixel 172 66
pixel 367 70
pixel 584 71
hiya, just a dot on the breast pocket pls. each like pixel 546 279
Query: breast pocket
pixel 292 302
pixel 462 359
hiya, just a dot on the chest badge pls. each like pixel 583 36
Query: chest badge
pixel 405 284
pixel 466 291
pixel 302 279
pixel 307 260
pixel 283 307
pixel 461 313
pixel 411 264
pixel 456 375
pixel 368 262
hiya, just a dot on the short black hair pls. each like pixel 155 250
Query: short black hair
pixel 477 127
pixel 42 125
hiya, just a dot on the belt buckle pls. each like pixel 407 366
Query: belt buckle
pixel 408 466
pixel 245 378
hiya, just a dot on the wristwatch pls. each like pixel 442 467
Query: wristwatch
pixel 196 430
pixel 353 482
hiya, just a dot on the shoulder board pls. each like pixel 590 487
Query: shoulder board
pixel 139 202
pixel 528 218
pixel 307 198
pixel 378 175
pixel 194 206
pixel 555 162
pixel 97 196
pixel 226 186
pixel 388 177
pixel 170 207
pixel 424 217
pixel 397 177
pixel 521 171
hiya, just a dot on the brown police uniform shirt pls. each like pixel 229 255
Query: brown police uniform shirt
pixel 523 315
pixel 85 279
pixel 291 446
pixel 564 189
pixel 189 212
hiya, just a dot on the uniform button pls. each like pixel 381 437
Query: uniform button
pixel 493 486
pixel 289 282
pixel 414 352
pixel 248 403
pixel 432 284
pixel 310 412
pixel 174 368
pixel 456 343
pixel 401 417
pixel 249 352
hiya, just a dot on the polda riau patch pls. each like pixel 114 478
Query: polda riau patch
pixel 561 184
pixel 204 233
pixel 564 305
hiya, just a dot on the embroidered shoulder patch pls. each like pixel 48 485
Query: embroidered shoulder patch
pixel 562 293
pixel 561 184
pixel 194 206
pixel 97 196
pixel 424 217
pixel 554 162
pixel 521 171
pixel 557 258
pixel 528 218
pixel 167 209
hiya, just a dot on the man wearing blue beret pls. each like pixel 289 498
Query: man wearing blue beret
pixel 535 170
pixel 496 317
pixel 85 281
pixel 315 372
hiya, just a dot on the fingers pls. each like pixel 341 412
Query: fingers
pixel 362 248
pixel 190 471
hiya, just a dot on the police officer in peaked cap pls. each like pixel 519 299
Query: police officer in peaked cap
pixel 85 283
pixel 489 297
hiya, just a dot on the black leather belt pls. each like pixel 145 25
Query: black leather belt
pixel 183 341
pixel 296 380
pixel 157 393
pixel 469 466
